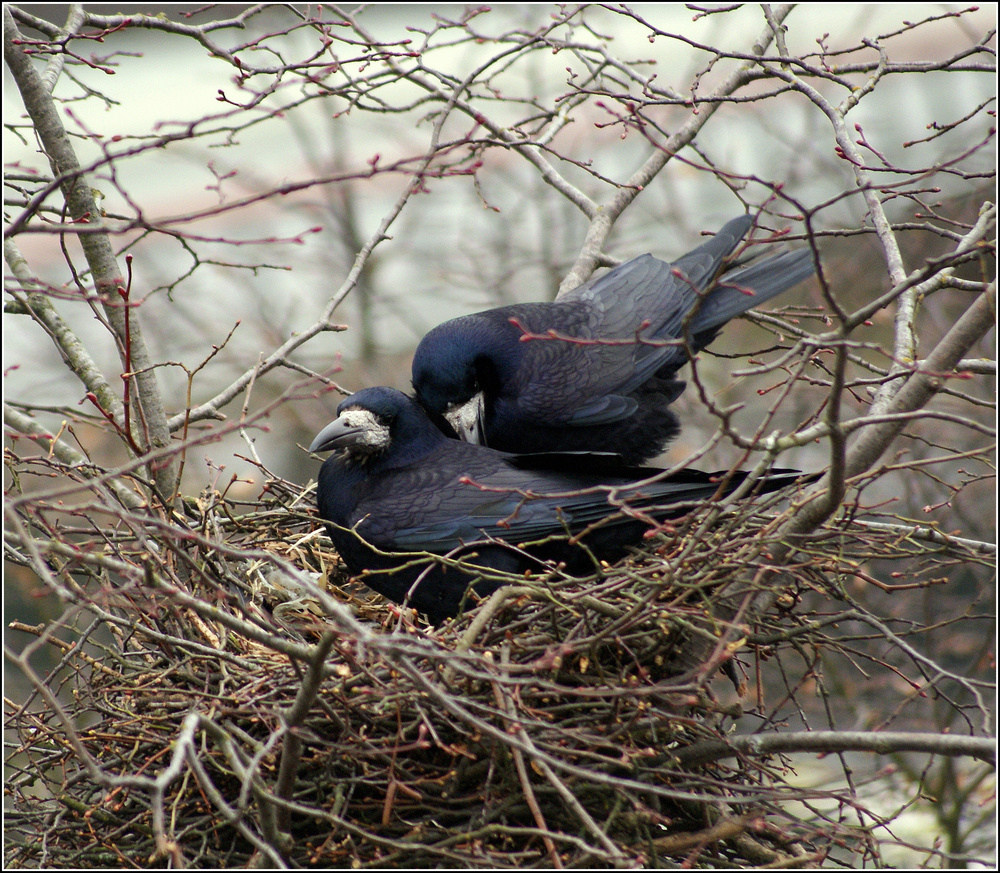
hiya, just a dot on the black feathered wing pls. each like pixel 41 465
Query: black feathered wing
pixel 463 494
pixel 610 316
pixel 628 325
pixel 608 344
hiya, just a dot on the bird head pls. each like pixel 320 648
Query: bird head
pixel 444 372
pixel 373 421
pixel 463 417
pixel 450 379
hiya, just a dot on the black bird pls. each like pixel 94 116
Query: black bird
pixel 396 485
pixel 539 395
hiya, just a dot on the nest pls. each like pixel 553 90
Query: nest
pixel 251 716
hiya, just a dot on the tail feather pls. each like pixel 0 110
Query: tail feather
pixel 765 279
pixel 700 265
pixel 696 485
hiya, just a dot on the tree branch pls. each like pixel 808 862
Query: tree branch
pixel 827 742
pixel 108 280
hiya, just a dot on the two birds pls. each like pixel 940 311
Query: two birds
pixel 564 400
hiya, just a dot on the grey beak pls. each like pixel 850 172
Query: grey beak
pixel 337 434
pixel 467 420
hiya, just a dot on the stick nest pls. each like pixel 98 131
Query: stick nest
pixel 235 700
